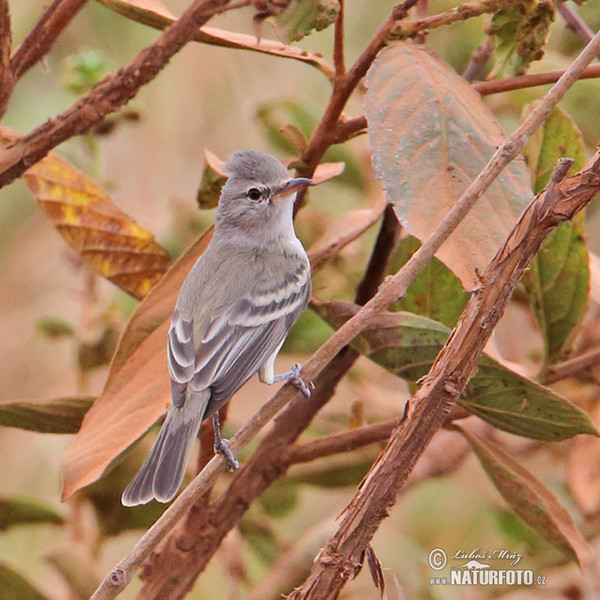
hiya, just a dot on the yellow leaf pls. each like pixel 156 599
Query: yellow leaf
pixel 108 240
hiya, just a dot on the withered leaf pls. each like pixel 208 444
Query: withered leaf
pixel 108 240
pixel 431 135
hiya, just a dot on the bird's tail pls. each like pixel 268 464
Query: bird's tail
pixel 163 470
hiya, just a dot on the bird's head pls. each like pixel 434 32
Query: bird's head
pixel 258 198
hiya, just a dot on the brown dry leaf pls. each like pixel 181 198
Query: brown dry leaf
pixel 343 231
pixel 431 135
pixel 154 14
pixel 215 163
pixel 376 570
pixel 326 171
pixel 583 474
pixel 530 499
pixel 137 391
pixel 131 402
pixel 108 240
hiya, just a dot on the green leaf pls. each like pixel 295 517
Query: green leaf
pixel 82 71
pixel 407 345
pixel 302 16
pixel 54 327
pixel 530 499
pixel 15 587
pixel 557 280
pixel 63 415
pixel 337 473
pixel 518 36
pixel 280 498
pixel 431 135
pixel 21 511
pixel 435 293
pixel 261 539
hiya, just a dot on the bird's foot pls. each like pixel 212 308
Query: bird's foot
pixel 222 448
pixel 293 376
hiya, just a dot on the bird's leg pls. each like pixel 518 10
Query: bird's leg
pixel 293 376
pixel 222 447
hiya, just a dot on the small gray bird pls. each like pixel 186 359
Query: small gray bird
pixel 233 313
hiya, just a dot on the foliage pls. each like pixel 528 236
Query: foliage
pixel 86 354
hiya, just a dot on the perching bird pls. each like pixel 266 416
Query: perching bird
pixel 233 313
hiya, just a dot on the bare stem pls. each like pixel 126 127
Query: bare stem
pixel 575 23
pixel 6 78
pixel 339 60
pixel 485 88
pixel 573 366
pixel 340 442
pixel 39 40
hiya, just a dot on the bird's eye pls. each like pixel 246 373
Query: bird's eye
pixel 254 194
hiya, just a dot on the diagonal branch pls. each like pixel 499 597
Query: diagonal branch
pixel 6 79
pixel 39 40
pixel 107 96
pixel 457 362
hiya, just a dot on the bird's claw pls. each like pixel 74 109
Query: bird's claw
pixel 295 379
pixel 222 448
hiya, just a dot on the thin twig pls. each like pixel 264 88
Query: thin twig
pixel 477 61
pixel 485 88
pixel 107 96
pixel 339 60
pixel 448 377
pixel 40 39
pixel 573 366
pixel 388 292
pixel 575 23
pixel 387 239
pixel 409 29
pixel 340 442
pixel 6 78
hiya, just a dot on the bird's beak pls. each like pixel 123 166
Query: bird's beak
pixel 291 186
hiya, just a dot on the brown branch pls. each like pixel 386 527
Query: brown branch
pixel 410 29
pixel 447 379
pixel 485 88
pixel 388 236
pixel 340 442
pixel 339 60
pixel 6 79
pixel 477 61
pixel 572 367
pixel 40 39
pixel 575 23
pixel 187 552
pixel 107 96
pixel 391 289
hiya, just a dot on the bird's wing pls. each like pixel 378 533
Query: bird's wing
pixel 237 343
